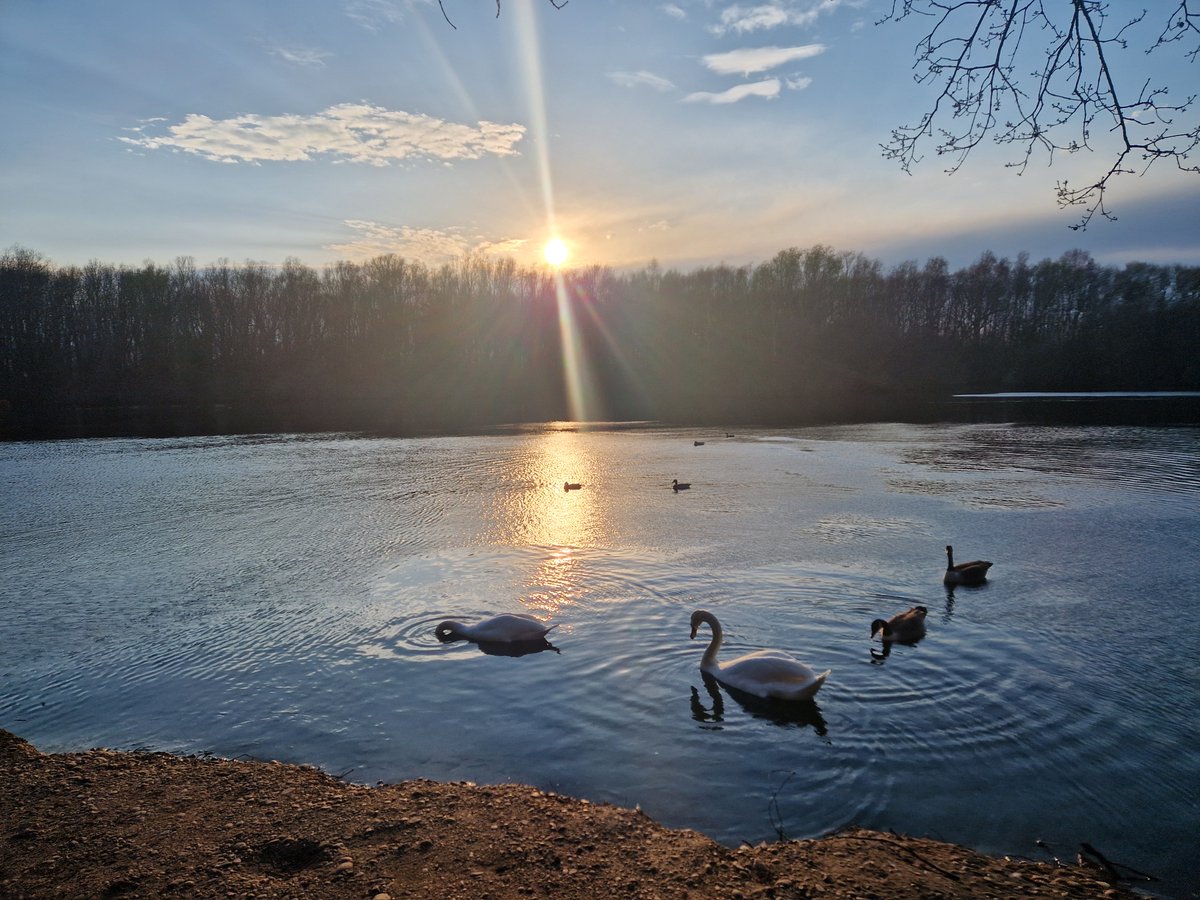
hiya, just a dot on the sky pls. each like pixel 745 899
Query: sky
pixel 689 133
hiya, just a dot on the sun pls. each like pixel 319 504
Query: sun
pixel 556 252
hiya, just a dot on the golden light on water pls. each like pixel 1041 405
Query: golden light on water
pixel 539 514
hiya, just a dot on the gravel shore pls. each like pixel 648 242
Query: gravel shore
pixel 116 824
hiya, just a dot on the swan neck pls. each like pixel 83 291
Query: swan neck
pixel 710 655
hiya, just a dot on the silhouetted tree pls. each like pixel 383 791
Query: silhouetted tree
pixel 811 334
pixel 1060 95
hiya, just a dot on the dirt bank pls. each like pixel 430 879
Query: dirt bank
pixel 111 824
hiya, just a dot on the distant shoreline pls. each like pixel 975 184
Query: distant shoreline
pixel 145 421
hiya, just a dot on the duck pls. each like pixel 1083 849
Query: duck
pixel 509 628
pixel 697 443
pixel 764 673
pixel 974 572
pixel 677 485
pixel 571 485
pixel 905 626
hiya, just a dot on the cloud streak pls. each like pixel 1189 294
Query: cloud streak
pixel 750 60
pixel 299 56
pixel 768 89
pixel 373 15
pixel 738 19
pixel 642 79
pixel 348 132
pixel 430 246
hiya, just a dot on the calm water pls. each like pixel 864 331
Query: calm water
pixel 276 597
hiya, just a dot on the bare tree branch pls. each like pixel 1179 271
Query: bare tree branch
pixel 977 51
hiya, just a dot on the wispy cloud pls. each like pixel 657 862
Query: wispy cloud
pixel 299 56
pixel 797 82
pixel 675 12
pixel 428 245
pixel 749 60
pixel 642 79
pixel 768 89
pixel 738 19
pixel 374 14
pixel 348 132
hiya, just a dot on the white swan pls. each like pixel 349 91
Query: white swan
pixel 763 673
pixel 510 628
pixel 904 627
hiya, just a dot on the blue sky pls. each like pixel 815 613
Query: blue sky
pixel 691 132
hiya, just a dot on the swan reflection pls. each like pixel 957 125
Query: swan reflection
pixel 780 712
pixel 515 648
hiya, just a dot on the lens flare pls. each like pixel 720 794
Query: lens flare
pixel 556 252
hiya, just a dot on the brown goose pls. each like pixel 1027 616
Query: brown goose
pixel 906 626
pixel 974 572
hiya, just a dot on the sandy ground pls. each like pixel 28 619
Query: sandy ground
pixel 114 824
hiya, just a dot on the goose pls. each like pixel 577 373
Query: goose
pixel 974 572
pixel 697 443
pixel 677 485
pixel 906 626
pixel 509 628
pixel 571 485
pixel 763 673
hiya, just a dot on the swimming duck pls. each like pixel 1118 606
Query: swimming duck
pixel 509 628
pixel 763 673
pixel 974 572
pixel 905 626
pixel 571 485
pixel 677 485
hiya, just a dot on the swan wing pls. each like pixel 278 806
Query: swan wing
pixel 771 673
pixel 508 628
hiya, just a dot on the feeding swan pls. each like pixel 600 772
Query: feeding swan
pixel 974 572
pixel 905 626
pixel 763 673
pixel 510 628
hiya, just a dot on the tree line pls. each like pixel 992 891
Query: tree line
pixel 395 346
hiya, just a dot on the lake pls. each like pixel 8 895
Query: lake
pixel 275 596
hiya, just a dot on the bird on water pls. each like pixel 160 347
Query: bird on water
pixel 904 626
pixel 973 572
pixel 763 673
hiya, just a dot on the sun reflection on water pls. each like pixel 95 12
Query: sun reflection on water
pixel 536 511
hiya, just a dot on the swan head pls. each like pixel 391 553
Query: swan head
pixel 449 631
pixel 699 617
